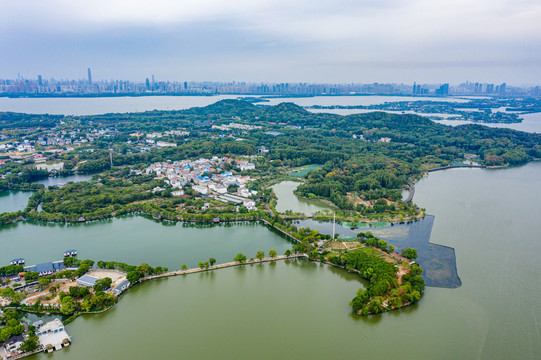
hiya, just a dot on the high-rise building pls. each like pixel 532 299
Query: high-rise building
pixel 502 89
pixel 89 77
pixel 147 83
pixel 414 88
pixel 40 81
pixel 443 90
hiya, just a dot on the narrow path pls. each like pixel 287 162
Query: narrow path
pixel 456 166
pixel 412 191
pixel 282 231
pixel 223 266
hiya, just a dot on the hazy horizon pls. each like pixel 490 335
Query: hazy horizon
pixel 367 41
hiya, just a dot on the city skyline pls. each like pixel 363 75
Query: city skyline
pixel 276 41
pixel 41 86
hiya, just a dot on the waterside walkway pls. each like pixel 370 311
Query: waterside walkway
pixel 223 266
pixel 457 166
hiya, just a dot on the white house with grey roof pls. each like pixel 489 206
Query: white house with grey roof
pixel 121 287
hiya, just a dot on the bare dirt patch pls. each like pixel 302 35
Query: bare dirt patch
pixel 116 276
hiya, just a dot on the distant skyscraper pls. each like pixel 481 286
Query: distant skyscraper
pixel 40 82
pixel 414 88
pixel 89 77
pixel 502 89
pixel 443 90
pixel 185 85
pixel 147 82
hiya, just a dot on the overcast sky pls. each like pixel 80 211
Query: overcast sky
pixel 274 40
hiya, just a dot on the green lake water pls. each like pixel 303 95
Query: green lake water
pixel 134 240
pixel 300 309
pixel 288 201
pixel 303 171
pixel 12 200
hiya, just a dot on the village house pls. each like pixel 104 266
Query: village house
pixel 13 343
pixel 121 287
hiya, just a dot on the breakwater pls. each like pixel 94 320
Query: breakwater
pixel 456 166
pixel 222 266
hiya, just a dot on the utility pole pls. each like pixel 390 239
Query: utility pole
pixel 333 224
pixel 111 157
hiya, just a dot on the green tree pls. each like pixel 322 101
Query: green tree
pixel 409 253
pixel 260 255
pixel 103 284
pixel 132 276
pixel 184 267
pixel 83 269
pixel 287 253
pixel 272 253
pixel 30 276
pixel 240 258
pixel 30 343
pixel 43 282
pixel 67 305
pixel 212 261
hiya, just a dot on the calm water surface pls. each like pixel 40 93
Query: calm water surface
pixel 134 240
pixel 299 309
pixel 12 200
pixel 95 106
pixel 355 100
pixel 288 201
pixel 530 123
pixel 104 105
pixel 62 180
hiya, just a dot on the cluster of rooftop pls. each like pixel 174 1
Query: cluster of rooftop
pixel 235 126
pixel 209 178
pixel 51 142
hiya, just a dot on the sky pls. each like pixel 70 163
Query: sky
pixel 332 41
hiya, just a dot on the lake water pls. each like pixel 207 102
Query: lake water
pixel 288 201
pixel 356 100
pixel 104 105
pixel 11 201
pixel 62 180
pixel 95 106
pixel 17 200
pixel 134 240
pixel 530 123
pixel 438 261
pixel 299 309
